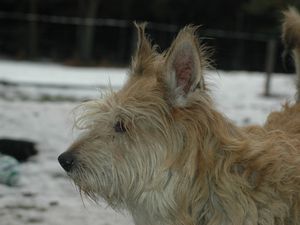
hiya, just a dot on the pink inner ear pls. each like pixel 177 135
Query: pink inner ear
pixel 183 65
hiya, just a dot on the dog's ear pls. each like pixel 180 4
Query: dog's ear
pixel 144 53
pixel 184 66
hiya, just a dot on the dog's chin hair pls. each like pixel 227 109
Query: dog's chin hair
pixel 105 191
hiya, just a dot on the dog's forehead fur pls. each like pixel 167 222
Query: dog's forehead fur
pixel 141 89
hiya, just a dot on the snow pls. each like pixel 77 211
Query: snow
pixel 37 105
pixel 30 72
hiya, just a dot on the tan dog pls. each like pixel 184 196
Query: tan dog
pixel 160 149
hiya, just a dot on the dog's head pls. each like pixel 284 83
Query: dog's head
pixel 131 138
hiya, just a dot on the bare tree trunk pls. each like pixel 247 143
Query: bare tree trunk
pixel 296 52
pixel 86 32
pixel 33 31
pixel 270 61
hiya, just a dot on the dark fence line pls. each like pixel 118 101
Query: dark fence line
pixel 125 24
pixel 49 35
pixel 63 19
pixel 59 37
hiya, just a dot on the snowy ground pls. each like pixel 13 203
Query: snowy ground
pixel 37 105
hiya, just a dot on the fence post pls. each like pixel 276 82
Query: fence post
pixel 33 31
pixel 269 66
pixel 86 31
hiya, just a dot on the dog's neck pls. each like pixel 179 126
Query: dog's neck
pixel 202 171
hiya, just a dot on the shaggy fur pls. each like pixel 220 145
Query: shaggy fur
pixel 160 149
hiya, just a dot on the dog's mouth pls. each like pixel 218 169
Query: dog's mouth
pixel 92 180
pixel 95 191
pixel 89 179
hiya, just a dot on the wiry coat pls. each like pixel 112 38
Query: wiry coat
pixel 160 149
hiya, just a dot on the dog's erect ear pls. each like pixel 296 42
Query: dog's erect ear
pixel 144 53
pixel 185 63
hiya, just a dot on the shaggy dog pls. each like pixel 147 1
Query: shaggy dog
pixel 161 150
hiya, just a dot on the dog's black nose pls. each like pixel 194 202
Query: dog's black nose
pixel 66 160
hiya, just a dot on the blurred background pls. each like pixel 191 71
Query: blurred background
pixel 55 54
pixel 97 32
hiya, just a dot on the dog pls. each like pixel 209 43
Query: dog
pixel 160 149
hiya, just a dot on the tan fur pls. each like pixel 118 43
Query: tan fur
pixel 181 161
pixel 291 39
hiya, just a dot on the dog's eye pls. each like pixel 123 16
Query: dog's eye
pixel 120 127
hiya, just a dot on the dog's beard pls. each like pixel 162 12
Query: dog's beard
pixel 96 184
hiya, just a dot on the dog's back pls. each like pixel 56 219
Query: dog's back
pixel 278 161
pixel 289 120
pixel 273 155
